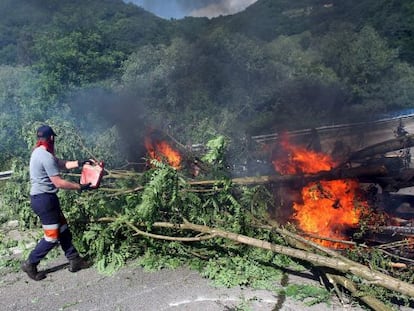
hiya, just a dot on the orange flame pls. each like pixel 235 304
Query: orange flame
pixel 328 208
pixel 297 159
pixel 162 151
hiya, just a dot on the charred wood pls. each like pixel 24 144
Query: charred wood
pixel 383 147
pixel 393 230
pixel 403 178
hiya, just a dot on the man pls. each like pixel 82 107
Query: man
pixel 45 182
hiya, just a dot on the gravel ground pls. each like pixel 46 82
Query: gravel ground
pixel 134 289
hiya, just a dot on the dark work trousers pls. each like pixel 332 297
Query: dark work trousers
pixel 47 207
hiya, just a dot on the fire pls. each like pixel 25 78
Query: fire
pixel 301 160
pixel 328 208
pixel 162 151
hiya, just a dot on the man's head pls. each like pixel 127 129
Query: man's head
pixel 45 132
pixel 46 138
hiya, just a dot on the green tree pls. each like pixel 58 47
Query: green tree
pixel 302 91
pixel 369 69
pixel 73 60
pixel 19 104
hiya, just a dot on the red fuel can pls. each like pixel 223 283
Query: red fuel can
pixel 92 173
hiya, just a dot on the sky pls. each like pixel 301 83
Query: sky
pixel 198 8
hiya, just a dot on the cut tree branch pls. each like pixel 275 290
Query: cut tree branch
pixel 338 263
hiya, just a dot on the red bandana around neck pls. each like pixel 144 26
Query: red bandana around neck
pixel 48 144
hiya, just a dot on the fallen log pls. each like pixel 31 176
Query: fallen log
pixel 394 183
pixel 392 230
pixel 346 266
pixel 370 301
pixel 333 278
pixel 361 172
pixel 383 147
pixel 336 262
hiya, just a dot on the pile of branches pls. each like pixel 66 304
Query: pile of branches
pixel 163 219
pixel 168 221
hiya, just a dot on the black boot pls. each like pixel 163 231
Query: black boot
pixel 78 263
pixel 31 270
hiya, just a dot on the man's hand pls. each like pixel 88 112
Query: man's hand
pixel 83 162
pixel 84 187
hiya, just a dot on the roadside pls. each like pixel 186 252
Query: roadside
pixel 134 289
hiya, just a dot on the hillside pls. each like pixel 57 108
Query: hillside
pixel 268 19
pixel 278 65
pixel 126 27
pixel 123 27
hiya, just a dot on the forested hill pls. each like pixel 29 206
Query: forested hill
pixel 118 26
pixel 125 27
pixel 268 19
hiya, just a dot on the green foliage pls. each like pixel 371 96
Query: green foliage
pixel 154 261
pixel 75 59
pixel 241 271
pixel 379 261
pixel 159 196
pixel 7 261
pixel 215 154
pixel 368 68
pixel 310 294
pixel 15 198
pixel 105 245
pixel 102 230
pixel 111 263
pixel 123 26
pixel 19 105
pixel 165 198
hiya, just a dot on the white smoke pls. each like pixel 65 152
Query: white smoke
pixel 223 7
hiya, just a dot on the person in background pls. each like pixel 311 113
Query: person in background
pixel 45 183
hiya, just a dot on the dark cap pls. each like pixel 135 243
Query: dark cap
pixel 45 131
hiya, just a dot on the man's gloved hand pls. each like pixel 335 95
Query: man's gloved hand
pixel 84 187
pixel 82 162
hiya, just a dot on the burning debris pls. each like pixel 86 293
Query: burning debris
pixel 162 151
pixel 164 148
pixel 327 208
pixel 292 159
pixel 337 204
pixel 341 193
pixel 327 195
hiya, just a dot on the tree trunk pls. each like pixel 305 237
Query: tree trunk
pixel 337 263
